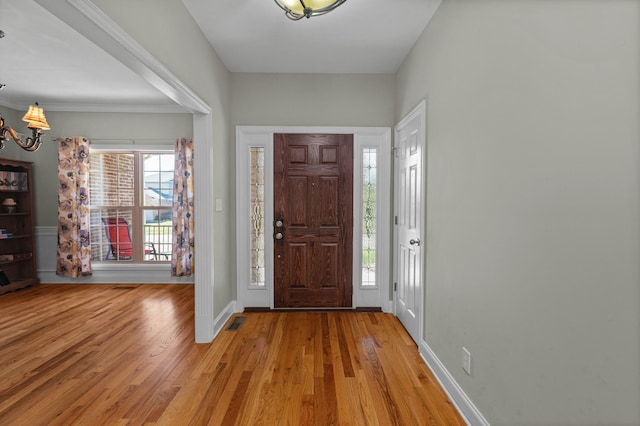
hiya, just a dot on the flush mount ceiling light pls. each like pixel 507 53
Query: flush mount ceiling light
pixel 298 9
pixel 36 121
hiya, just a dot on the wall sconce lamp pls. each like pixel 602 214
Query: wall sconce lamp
pixel 36 122
pixel 298 9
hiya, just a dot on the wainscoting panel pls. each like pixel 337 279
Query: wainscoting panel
pixel 103 273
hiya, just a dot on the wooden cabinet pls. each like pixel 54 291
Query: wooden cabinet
pixel 17 232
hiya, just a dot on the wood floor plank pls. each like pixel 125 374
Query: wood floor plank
pixel 115 354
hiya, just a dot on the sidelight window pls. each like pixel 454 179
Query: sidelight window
pixel 369 208
pixel 256 226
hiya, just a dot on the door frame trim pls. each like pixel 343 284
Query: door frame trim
pixel 262 136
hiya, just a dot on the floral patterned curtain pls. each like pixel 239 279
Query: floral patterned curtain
pixel 182 256
pixel 74 248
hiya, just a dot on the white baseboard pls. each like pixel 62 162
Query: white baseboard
pixel 204 329
pixel 465 406
pixel 125 274
pixel 222 318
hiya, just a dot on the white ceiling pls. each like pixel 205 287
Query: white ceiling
pixel 45 60
pixel 360 36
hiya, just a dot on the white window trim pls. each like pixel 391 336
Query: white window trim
pixel 364 137
pixel 118 147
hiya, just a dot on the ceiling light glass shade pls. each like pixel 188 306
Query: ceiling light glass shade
pixel 298 9
pixel 35 118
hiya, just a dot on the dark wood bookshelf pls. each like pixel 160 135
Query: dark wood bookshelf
pixel 17 252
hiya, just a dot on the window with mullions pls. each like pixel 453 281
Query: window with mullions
pixel 131 206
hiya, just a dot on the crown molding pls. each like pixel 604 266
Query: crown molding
pixel 6 103
pixel 89 107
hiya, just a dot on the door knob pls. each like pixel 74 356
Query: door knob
pixel 279 223
pixel 279 236
pixel 415 242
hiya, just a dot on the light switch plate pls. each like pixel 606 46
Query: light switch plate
pixel 466 360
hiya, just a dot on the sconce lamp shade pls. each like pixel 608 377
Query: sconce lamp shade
pixel 298 9
pixel 36 119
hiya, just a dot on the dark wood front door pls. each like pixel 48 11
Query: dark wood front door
pixel 313 211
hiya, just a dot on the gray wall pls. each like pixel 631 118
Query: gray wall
pixel 312 100
pixel 95 126
pixel 533 237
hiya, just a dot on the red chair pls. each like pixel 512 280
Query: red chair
pixel 119 238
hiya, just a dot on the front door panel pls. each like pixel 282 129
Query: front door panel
pixel 313 199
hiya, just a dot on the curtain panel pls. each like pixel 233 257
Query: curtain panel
pixel 183 251
pixel 74 248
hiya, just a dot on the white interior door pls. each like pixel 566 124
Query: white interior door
pixel 410 141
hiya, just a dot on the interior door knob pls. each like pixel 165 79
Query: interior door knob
pixel 415 242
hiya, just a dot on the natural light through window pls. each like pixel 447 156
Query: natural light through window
pixel 131 206
pixel 369 192
pixel 256 226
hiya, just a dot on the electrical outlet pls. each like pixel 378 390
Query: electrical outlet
pixel 466 360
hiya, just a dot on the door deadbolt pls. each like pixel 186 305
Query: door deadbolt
pixel 279 223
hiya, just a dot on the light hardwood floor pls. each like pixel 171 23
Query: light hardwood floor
pixel 125 354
